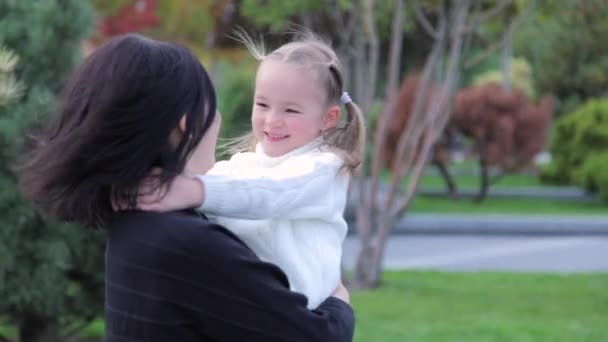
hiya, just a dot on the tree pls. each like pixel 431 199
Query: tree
pixel 507 129
pixel 455 25
pixel 52 274
pixel 566 48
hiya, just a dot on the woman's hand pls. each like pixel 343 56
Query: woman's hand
pixel 183 193
pixel 342 293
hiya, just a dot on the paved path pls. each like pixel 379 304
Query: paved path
pixel 433 224
pixel 561 254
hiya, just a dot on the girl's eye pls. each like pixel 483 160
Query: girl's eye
pixel 261 104
pixel 292 111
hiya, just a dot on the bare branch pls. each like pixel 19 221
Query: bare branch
pixel 492 12
pixel 335 13
pixel 471 62
pixel 359 62
pixel 350 27
pixel 394 62
pixel 373 52
pixel 408 142
pixel 515 23
pixel 402 205
pixel 423 20
pixel 391 94
pixel 342 24
pixel 412 131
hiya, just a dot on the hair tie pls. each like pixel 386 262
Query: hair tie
pixel 345 98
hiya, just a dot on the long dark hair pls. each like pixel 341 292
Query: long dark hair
pixel 114 123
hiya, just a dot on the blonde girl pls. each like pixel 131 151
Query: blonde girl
pixel 284 192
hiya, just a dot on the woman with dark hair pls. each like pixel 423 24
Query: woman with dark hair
pixel 137 105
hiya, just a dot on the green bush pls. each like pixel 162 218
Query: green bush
pixel 595 175
pixel 579 149
pixel 235 88
pixel 521 76
pixel 235 83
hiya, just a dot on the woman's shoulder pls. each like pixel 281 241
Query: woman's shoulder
pixel 185 231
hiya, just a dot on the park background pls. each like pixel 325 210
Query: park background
pixel 482 209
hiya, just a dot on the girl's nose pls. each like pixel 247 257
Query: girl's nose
pixel 274 119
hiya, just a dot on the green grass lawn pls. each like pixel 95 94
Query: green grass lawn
pixel 486 306
pixel 463 177
pixel 515 206
pixel 431 180
pixel 494 205
pixel 432 306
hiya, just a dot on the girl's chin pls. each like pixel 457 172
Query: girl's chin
pixel 272 150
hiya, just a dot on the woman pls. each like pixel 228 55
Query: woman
pixel 137 104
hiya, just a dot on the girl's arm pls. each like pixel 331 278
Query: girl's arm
pixel 311 191
pixel 295 190
pixel 184 191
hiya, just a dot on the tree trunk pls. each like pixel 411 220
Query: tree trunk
pixel 447 177
pixel 368 269
pixel 485 178
pixel 506 61
pixel 373 52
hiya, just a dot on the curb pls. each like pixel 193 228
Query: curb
pixel 553 193
pixel 559 193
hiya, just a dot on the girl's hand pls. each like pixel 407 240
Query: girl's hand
pixel 341 292
pixel 183 193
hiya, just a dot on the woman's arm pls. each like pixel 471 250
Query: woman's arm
pixel 241 298
pixel 177 274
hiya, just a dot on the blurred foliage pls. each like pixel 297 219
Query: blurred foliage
pixel 579 149
pixel 10 88
pixel 109 7
pixel 521 76
pixel 278 14
pixel 235 87
pixel 50 273
pixel 320 16
pixel 595 174
pixel 188 21
pixel 565 43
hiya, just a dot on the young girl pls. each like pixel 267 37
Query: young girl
pixel 284 195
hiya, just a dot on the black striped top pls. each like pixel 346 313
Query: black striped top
pixel 178 277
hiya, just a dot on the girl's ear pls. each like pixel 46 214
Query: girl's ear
pixel 332 117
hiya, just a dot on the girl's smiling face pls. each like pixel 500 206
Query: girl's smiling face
pixel 290 109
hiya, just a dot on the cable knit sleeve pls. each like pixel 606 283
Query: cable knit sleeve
pixel 299 189
pixel 220 168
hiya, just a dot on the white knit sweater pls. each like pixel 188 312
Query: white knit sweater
pixel 288 210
